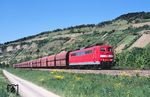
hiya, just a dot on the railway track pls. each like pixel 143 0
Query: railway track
pixel 145 73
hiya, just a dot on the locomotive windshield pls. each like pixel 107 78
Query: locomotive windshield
pixel 110 49
pixel 106 49
pixel 102 49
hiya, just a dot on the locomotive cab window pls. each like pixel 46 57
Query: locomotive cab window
pixel 102 49
pixel 80 53
pixel 88 52
pixel 74 54
pixel 110 49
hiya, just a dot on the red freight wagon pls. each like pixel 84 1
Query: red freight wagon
pixel 44 62
pixel 62 59
pixel 22 65
pixel 19 65
pixel 26 64
pixel 39 62
pixel 51 61
pixel 30 64
pixel 34 63
pixel 15 65
pixel 96 55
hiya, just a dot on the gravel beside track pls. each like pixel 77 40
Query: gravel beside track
pixel 145 73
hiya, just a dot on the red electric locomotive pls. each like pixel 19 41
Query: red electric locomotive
pixel 101 56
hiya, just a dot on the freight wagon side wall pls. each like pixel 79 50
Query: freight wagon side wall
pixel 62 59
pixel 44 62
pixel 51 61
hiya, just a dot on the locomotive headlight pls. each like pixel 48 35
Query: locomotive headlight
pixel 104 56
pixel 110 56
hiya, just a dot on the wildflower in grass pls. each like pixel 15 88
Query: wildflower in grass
pixel 73 85
pixel 77 78
pixel 118 85
pixel 42 80
pixel 128 93
pixel 124 74
pixel 58 77
pixel 109 93
pixel 53 71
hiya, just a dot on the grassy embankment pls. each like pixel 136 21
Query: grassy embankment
pixel 3 87
pixel 88 85
pixel 3 84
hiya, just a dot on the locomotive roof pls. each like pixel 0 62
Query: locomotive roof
pixel 90 47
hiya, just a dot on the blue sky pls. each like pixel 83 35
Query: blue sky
pixel 21 18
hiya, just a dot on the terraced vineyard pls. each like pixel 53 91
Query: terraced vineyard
pixel 124 43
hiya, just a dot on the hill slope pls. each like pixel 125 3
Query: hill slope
pixel 142 41
pixel 118 32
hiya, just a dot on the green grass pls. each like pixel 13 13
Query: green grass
pixel 148 45
pixel 88 85
pixel 3 87
pixel 3 84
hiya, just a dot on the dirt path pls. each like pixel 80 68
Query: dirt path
pixel 28 89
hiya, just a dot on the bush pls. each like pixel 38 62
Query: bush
pixel 136 58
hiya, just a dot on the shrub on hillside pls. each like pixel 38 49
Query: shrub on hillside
pixel 136 58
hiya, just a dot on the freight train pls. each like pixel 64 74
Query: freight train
pixel 98 56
